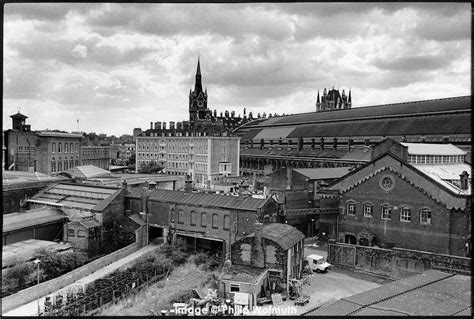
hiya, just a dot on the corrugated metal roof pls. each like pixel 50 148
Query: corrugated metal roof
pixel 323 173
pixel 338 308
pixel 209 200
pixel 397 109
pixel 369 311
pixel 31 218
pixel 433 149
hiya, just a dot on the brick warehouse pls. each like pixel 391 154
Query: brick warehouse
pixel 201 221
pixel 395 200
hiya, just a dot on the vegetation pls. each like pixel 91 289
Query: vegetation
pixel 56 264
pixel 151 167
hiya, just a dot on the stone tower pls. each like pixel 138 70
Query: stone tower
pixel 198 99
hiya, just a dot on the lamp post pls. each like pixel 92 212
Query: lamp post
pixel 37 262
pixel 312 227
pixel 147 227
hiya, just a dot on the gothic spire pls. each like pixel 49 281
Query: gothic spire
pixel 317 101
pixel 198 71
pixel 198 85
pixel 349 100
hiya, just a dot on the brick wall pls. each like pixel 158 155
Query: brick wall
pixel 394 263
pixel 434 237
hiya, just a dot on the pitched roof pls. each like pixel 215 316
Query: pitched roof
pixel 283 234
pixel 323 173
pixel 31 218
pixel 450 116
pixel 87 171
pixel 242 273
pixel 433 149
pixel 440 192
pixel 202 199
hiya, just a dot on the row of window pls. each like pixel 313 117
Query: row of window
pixel 386 212
pixel 435 159
pixel 72 233
pixel 63 165
pixel 203 220
pixel 71 147
pixel 26 149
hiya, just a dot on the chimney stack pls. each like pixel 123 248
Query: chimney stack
pixel 258 258
pixel 171 125
pixel 464 180
pixel 151 125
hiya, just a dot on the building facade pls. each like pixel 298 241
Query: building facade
pixel 413 196
pixel 333 100
pixel 99 156
pixel 47 152
pixel 201 221
pixel 203 158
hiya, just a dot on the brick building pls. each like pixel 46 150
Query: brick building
pixel 413 196
pixel 277 250
pixel 99 156
pixel 47 152
pixel 198 220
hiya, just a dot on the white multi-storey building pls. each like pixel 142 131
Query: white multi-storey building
pixel 203 158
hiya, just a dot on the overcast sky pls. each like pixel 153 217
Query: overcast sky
pixel 119 66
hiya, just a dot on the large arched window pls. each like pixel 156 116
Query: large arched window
pixel 59 148
pixel 226 222
pixel 65 148
pixel 53 148
pixel 180 216
pixel 215 221
pixel 193 218
pixel 368 209
pixel 405 214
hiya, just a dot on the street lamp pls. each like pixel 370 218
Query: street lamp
pixel 147 227
pixel 312 227
pixel 37 262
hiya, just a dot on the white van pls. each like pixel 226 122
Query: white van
pixel 318 263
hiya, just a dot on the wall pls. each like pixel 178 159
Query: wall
pixel 394 263
pixel 27 295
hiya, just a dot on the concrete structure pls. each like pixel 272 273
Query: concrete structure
pixel 47 152
pixel 201 221
pixel 274 252
pixel 18 186
pixel 338 138
pixel 203 158
pixel 409 196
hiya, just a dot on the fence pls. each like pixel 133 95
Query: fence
pixel 50 286
pixel 102 292
pixel 394 263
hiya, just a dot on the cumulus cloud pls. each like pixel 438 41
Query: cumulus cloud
pixel 113 59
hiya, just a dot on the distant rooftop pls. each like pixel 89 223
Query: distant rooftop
pixel 323 173
pixel 283 234
pixel 433 149
pixel 86 172
pixel 12 178
pixel 30 218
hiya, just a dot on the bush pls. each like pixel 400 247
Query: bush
pixel 20 273
pixel 178 257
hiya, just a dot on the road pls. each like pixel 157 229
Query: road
pixel 31 309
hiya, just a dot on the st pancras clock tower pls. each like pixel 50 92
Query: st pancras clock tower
pixel 198 100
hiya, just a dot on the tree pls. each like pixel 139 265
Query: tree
pixel 131 162
pixel 151 167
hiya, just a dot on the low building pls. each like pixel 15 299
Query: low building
pixel 103 204
pixel 413 196
pixel 41 223
pixel 85 235
pixel 201 221
pixel 273 254
pixel 18 186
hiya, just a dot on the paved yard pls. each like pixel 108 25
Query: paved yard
pixel 323 287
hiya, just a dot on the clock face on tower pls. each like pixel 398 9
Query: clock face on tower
pixel 200 103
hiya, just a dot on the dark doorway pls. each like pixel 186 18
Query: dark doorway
pixel 156 233
pixel 364 242
pixel 350 239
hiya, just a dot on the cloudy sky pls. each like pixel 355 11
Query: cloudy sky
pixel 119 66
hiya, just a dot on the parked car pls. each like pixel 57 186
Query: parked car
pixel 318 263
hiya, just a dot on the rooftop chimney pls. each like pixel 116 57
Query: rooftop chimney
pixel 258 258
pixel 151 125
pixel 464 180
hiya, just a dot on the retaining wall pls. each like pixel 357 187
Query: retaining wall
pixel 30 294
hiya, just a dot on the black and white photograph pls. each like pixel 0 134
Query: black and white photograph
pixel 236 159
